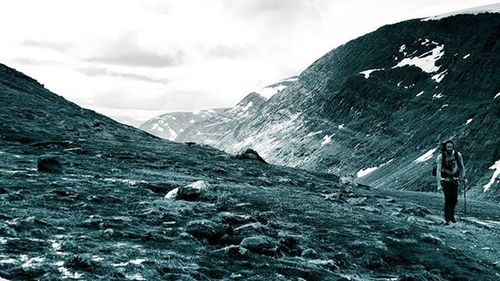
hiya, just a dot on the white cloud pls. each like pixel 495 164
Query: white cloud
pixel 163 55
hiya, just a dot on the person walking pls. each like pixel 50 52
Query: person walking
pixel 449 171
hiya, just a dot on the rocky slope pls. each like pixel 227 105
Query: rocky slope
pixel 377 107
pixel 101 214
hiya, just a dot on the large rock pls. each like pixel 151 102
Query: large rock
pixel 251 155
pixel 191 192
pixel 49 164
pixel 260 245
pixel 206 230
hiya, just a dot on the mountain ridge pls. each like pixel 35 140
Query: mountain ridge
pixel 395 86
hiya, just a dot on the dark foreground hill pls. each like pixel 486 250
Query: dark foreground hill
pixel 378 106
pixel 103 215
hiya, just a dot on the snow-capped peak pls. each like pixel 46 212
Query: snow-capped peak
pixel 492 8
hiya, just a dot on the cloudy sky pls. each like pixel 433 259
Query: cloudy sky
pixel 136 59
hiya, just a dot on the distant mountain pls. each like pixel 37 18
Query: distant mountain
pixel 212 131
pixel 376 107
pixel 174 125
pixel 169 125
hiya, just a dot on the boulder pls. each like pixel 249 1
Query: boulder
pixel 206 230
pixel 250 154
pixel 260 245
pixel 191 192
pixel 49 164
pixel 310 254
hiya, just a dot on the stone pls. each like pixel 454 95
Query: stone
pixel 250 154
pixel 260 245
pixel 191 192
pixel 310 254
pixel 49 164
pixel 431 239
pixel 206 230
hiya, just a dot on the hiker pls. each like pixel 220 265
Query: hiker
pixel 449 171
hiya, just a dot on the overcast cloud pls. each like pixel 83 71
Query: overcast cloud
pixel 135 59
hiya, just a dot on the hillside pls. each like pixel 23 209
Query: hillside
pixel 102 212
pixel 376 108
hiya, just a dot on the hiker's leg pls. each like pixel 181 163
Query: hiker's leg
pixel 447 201
pixel 454 198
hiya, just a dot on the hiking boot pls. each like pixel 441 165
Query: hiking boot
pixel 446 223
pixel 453 221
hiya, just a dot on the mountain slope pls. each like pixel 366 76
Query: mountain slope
pixel 377 106
pixel 169 125
pixel 106 216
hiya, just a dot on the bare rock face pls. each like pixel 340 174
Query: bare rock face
pixel 49 164
pixel 250 154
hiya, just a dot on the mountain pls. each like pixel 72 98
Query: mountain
pixel 85 197
pixel 376 108
pixel 225 127
pixel 169 125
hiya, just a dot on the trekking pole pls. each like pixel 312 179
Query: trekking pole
pixel 465 197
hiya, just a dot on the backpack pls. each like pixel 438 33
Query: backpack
pixel 434 168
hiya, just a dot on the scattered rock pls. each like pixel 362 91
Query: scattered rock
pixel 234 219
pixel 310 254
pixel 206 230
pixel 290 246
pixel 260 245
pixel 234 251
pixel 250 154
pixel 49 164
pixel 411 220
pixel 15 196
pixel 416 210
pixel 84 263
pixel 190 143
pixel 431 239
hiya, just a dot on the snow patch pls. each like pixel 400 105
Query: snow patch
pixel 173 134
pixel 364 172
pixel 438 77
pixel 468 121
pixel 367 73
pixel 8 261
pixel 326 140
pixel 192 121
pixel 33 262
pixel 495 167
pixel 419 94
pixel 438 96
pixel 68 274
pixel 493 8
pixel 426 156
pixel 425 63
pixel 250 104
pixel 313 134
pixel 136 276
pixel 137 261
pixel 341 126
pixel 466 56
pixel 496 96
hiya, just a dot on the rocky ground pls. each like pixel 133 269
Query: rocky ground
pixel 101 214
